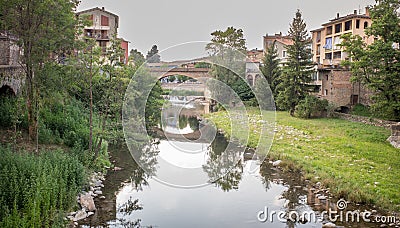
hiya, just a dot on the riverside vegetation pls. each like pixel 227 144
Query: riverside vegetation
pixel 353 159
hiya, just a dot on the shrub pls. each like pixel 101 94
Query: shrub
pixel 8 111
pixel 361 110
pixel 35 189
pixel 310 107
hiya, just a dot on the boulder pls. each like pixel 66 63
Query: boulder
pixel 276 163
pixel 87 202
pixel 80 215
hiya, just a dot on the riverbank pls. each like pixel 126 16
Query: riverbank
pixel 353 160
pixel 39 188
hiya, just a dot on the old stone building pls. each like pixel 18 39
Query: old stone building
pixel 11 68
pixel 331 79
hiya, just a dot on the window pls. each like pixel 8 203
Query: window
pixel 338 28
pixel 366 24
pixel 250 80
pixel 336 42
pixel 318 37
pixel 337 55
pixel 328 56
pixel 329 30
pixel 318 52
pixel 104 21
pixel 318 60
pixel 328 43
pixel 314 76
pixel 347 25
pixel 326 92
pixel 357 24
pixel 283 54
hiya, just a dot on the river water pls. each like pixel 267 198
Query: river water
pixel 134 198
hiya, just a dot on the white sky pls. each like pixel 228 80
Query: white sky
pixel 172 22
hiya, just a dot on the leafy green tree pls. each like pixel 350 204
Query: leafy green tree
pixel 378 65
pixel 296 73
pixel 109 88
pixel 228 49
pixel 152 55
pixel 136 57
pixel 271 68
pixel 45 29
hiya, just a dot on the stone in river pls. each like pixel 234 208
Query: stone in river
pixel 80 215
pixel 87 202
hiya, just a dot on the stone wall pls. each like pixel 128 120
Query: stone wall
pixel 367 120
pixel 12 77
pixel 337 88
pixel 394 139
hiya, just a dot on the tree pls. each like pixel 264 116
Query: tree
pixel 136 57
pixel 297 71
pixel 38 25
pixel 152 55
pixel 228 49
pixel 378 65
pixel 271 68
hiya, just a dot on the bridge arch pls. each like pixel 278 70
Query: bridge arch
pixel 195 73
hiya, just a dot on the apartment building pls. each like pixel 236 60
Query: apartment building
pixel 103 27
pixel 331 78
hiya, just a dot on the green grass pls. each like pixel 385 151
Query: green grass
pixel 353 159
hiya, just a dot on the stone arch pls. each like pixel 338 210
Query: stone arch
pixel 6 90
pixel 250 79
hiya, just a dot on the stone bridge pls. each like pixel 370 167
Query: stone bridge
pixel 11 72
pixel 195 73
pixel 11 78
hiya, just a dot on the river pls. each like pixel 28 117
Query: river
pixel 134 198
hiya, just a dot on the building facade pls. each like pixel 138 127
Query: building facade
pixel 103 27
pixel 331 78
pixel 281 41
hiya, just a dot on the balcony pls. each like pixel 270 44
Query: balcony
pixel 97 36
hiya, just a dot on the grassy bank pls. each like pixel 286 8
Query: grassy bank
pixel 353 159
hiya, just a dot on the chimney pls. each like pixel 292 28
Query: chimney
pixel 355 12
pixel 337 15
pixel 102 8
pixel 367 11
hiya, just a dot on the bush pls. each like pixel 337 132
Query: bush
pixel 35 189
pixel 311 107
pixel 361 110
pixel 8 111
pixel 66 123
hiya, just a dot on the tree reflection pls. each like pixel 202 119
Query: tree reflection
pixel 183 121
pixel 193 123
pixel 294 195
pixel 147 168
pixel 224 167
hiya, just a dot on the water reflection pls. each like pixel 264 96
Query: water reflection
pixel 239 186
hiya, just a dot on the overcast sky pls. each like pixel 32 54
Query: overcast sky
pixel 172 22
